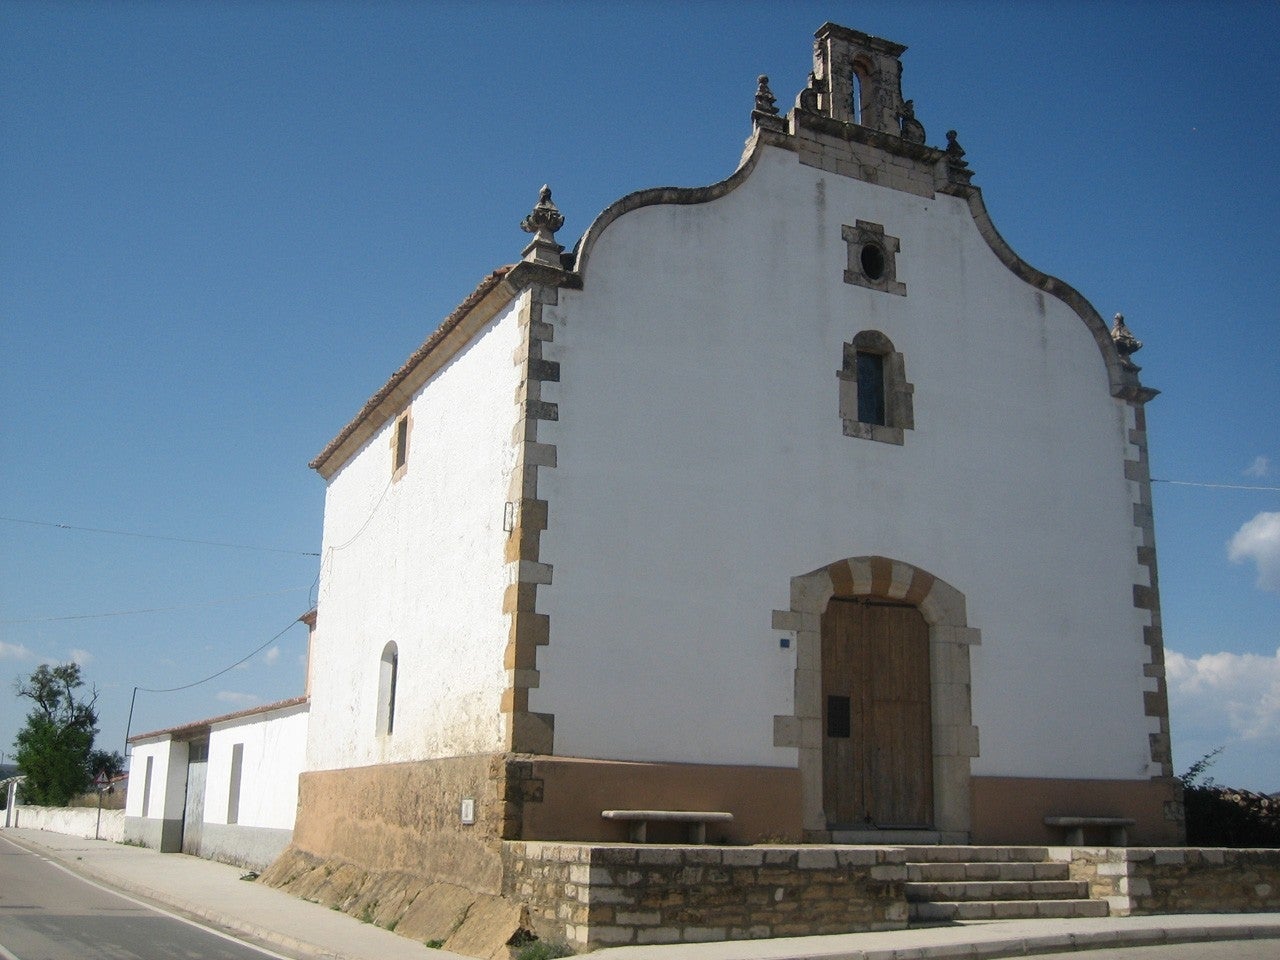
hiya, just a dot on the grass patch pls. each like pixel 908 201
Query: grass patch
pixel 544 950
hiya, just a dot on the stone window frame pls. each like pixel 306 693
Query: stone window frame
pixel 401 431
pixel 866 236
pixel 388 680
pixel 899 406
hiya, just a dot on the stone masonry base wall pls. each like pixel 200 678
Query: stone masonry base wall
pixel 1180 880
pixel 598 896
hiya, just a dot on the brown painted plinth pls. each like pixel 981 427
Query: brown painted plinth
pixel 1011 810
pixel 566 796
pixel 591 896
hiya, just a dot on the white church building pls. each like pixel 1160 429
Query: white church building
pixel 799 497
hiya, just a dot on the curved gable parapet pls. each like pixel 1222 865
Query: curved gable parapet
pixel 670 195
pixel 1124 382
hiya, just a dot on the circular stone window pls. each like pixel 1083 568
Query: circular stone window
pixel 872 261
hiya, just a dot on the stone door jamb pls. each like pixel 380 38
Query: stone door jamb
pixel 955 738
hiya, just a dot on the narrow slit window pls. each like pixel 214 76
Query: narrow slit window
pixel 146 788
pixel 233 794
pixel 387 670
pixel 402 443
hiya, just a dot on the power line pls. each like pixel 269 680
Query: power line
pixel 155 536
pixel 212 676
pixel 1218 486
pixel 180 606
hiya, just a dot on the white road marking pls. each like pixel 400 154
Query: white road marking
pixel 6 955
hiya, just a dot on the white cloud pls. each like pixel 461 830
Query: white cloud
pixel 271 656
pixel 14 651
pixel 82 657
pixel 1261 467
pixel 1259 540
pixel 241 699
pixel 1221 697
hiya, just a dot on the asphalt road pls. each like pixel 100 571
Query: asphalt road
pixel 49 913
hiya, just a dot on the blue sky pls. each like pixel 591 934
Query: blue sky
pixel 225 224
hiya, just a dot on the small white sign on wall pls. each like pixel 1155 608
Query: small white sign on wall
pixel 468 810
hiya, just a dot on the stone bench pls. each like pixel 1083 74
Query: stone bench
pixel 1074 827
pixel 697 820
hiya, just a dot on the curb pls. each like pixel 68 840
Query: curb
pixel 1072 942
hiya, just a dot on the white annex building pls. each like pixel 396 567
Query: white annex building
pixel 799 497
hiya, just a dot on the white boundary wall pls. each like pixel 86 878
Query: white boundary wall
pixel 73 821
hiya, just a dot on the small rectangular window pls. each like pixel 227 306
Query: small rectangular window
pixel 402 443
pixel 233 797
pixel 871 388
pixel 838 718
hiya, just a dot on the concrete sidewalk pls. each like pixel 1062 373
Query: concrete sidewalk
pixel 215 893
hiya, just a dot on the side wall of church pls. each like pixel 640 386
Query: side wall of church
pixel 415 557
pixel 703 463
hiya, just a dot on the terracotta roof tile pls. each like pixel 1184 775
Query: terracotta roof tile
pixel 197 725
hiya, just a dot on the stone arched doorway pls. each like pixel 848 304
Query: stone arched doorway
pixel 953 739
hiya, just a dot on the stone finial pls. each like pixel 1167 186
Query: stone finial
pixel 912 129
pixel 957 167
pixel 765 115
pixel 543 222
pixel 766 103
pixel 1126 343
pixel 808 98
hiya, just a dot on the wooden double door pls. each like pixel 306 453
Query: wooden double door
pixel 877 755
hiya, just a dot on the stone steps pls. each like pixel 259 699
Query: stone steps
pixel 941 911
pixel 947 884
pixel 950 854
pixel 956 872
pixel 999 890
pixel 882 838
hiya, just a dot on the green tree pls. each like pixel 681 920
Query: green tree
pixel 108 762
pixel 53 748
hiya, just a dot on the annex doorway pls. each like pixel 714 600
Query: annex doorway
pixel 877 750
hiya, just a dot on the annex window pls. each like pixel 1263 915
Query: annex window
pixel 387 670
pixel 400 445
pixel 233 794
pixel 875 397
pixel 146 788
